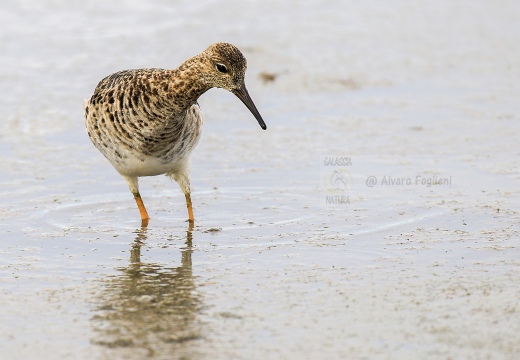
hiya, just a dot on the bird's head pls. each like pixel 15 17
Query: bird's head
pixel 226 68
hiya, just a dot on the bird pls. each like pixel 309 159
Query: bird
pixel 146 122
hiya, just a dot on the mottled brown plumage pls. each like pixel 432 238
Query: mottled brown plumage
pixel 146 122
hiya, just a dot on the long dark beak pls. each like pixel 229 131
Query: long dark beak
pixel 243 95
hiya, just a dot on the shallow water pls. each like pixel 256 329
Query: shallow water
pixel 407 93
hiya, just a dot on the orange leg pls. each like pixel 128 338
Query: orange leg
pixel 142 209
pixel 190 207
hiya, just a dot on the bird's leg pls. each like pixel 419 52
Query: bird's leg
pixel 142 209
pixel 184 182
pixel 133 184
pixel 190 207
pixel 183 179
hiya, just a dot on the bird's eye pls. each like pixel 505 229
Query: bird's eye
pixel 222 68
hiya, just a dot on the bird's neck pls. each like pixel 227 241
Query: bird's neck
pixel 182 87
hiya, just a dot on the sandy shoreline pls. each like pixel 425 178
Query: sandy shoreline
pixel 403 270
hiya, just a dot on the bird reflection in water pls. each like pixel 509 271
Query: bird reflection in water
pixel 149 309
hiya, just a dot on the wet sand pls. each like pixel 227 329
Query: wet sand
pixel 410 94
